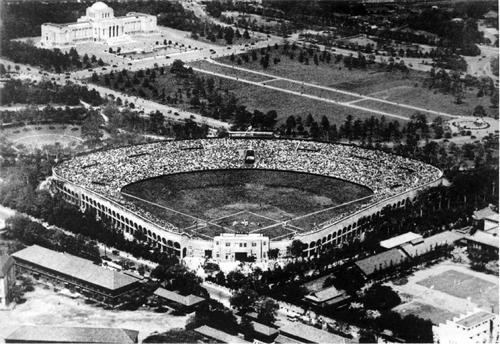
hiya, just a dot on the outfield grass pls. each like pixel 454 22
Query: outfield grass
pixel 261 197
pixel 319 92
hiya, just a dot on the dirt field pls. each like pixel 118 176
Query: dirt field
pixel 31 138
pixel 46 307
pixel 440 292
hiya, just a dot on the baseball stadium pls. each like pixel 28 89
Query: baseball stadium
pixel 231 198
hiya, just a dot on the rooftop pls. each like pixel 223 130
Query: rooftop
pixel 380 261
pixel 5 263
pixel 311 334
pixel 484 238
pixel 399 240
pixel 429 243
pixel 75 267
pixel 219 335
pixel 475 319
pixel 56 334
pixel 189 300
pixel 325 294
pixel 492 217
pixel 264 329
pixel 483 213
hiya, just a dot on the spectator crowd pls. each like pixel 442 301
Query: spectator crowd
pixel 107 172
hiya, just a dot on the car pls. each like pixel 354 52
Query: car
pixel 28 69
pixel 90 69
pixel 252 43
pixel 53 79
pixel 130 64
pixel 103 68
pixel 228 47
pixel 40 72
pixel 67 77
pixel 167 57
pixel 176 114
pixel 114 66
pixel 192 116
pixel 212 52
pixel 169 111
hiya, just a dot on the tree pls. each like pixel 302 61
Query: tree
pixel 267 310
pixel 296 248
pixel 244 299
pixel 91 131
pixel 175 335
pixel 380 297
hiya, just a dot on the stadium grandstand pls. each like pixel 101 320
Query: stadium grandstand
pixel 96 180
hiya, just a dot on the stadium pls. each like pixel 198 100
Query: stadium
pixel 234 198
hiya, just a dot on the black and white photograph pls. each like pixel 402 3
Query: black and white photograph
pixel 249 171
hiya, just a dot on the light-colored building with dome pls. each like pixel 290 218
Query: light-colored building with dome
pixel 98 25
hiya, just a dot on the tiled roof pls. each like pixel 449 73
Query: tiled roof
pixel 281 339
pixel 482 213
pixel 484 239
pixel 311 334
pixel 400 240
pixel 428 243
pixel 263 329
pixel 325 294
pixel 56 334
pixel 189 300
pixel 76 267
pixel 5 263
pixel 380 261
pixel 219 335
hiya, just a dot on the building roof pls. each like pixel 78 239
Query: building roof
pixel 264 329
pixel 482 213
pixel 400 240
pixel 429 243
pixel 491 14
pixel 75 267
pixel 219 335
pixel 484 238
pixel 492 217
pixel 189 300
pixel 56 334
pixel 281 339
pixel 5 264
pixel 325 294
pixel 380 261
pixel 475 319
pixel 310 334
pixel 99 6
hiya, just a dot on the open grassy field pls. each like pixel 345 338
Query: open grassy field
pixel 210 67
pixel 33 137
pixel 462 285
pixel 263 99
pixel 364 81
pixel 318 92
pixel 423 97
pixel 241 200
pixel 425 311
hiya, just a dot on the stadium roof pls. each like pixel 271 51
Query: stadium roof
pixel 219 335
pixel 56 334
pixel 5 263
pixel 400 240
pixel 311 334
pixel 380 261
pixel 75 267
pixel 189 300
pixel 429 243
pixel 475 319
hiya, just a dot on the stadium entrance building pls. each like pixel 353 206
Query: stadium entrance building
pixel 230 247
pixel 98 25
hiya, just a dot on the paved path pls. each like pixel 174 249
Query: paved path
pixel 348 104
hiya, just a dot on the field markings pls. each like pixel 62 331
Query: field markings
pixel 366 97
pixel 41 135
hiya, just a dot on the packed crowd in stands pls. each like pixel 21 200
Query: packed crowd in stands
pixel 107 172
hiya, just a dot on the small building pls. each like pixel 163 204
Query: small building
pixel 485 217
pixel 400 240
pixel 219 335
pixel 7 279
pixel 230 247
pixel 327 297
pixel 474 327
pixel 59 334
pixel 75 273
pixel 486 242
pixel 301 333
pixel 175 300
pixel 264 333
pixel 379 262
